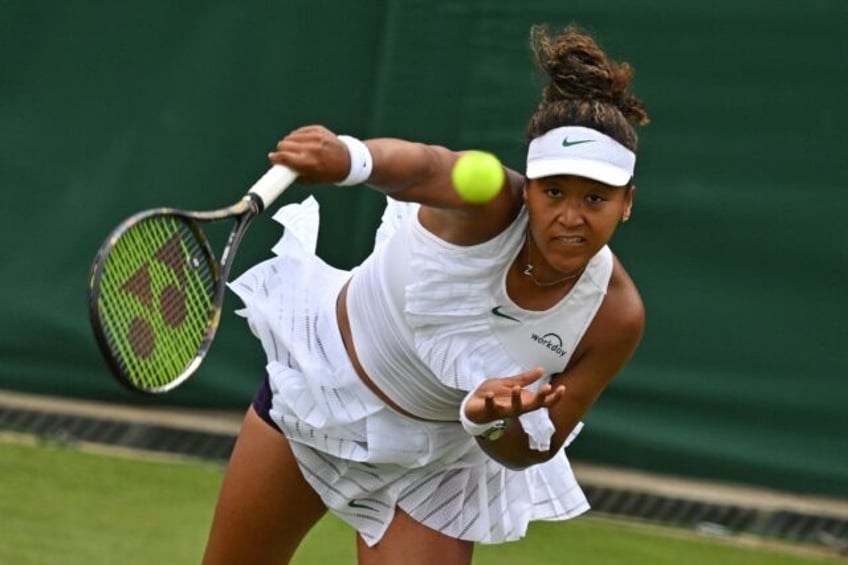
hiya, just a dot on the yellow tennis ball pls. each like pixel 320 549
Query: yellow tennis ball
pixel 477 176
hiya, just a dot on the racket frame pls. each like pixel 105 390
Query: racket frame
pixel 260 196
pixel 243 211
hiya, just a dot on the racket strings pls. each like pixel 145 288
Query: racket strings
pixel 156 300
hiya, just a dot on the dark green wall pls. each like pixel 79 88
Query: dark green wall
pixel 736 239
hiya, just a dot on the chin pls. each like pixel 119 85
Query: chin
pixel 565 269
pixel 570 263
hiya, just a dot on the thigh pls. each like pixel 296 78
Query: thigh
pixel 265 506
pixel 412 543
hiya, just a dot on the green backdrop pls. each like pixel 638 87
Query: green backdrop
pixel 736 239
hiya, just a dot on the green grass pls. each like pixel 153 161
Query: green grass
pixel 65 506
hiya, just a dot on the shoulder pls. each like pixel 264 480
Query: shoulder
pixel 619 323
pixel 623 304
pixel 474 224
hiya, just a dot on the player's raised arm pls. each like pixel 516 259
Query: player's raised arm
pixel 463 208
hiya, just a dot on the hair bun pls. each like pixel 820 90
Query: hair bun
pixel 578 69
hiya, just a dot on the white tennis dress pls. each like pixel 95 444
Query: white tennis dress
pixel 430 321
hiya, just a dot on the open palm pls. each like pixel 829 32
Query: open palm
pixel 507 397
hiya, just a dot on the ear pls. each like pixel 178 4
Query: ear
pixel 629 195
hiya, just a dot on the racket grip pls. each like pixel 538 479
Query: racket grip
pixel 272 184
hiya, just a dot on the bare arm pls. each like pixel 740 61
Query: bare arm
pixel 407 171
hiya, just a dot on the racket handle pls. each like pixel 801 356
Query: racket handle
pixel 272 184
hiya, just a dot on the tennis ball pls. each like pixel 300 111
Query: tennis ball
pixel 477 176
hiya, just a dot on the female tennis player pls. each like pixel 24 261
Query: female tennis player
pixel 426 397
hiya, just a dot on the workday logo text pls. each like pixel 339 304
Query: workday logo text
pixel 550 340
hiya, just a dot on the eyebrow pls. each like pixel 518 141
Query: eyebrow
pixel 604 186
pixel 596 184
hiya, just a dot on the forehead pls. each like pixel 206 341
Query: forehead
pixel 572 182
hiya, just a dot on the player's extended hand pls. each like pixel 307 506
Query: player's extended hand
pixel 315 153
pixel 506 397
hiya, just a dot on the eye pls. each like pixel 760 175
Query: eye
pixel 595 199
pixel 553 191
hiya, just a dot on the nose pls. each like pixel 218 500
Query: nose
pixel 571 214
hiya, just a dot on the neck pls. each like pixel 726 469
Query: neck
pixel 529 268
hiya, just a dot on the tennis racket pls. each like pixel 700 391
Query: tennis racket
pixel 156 289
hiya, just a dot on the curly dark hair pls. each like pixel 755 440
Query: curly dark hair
pixel 584 88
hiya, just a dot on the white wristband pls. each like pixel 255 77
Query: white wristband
pixel 361 162
pixel 473 428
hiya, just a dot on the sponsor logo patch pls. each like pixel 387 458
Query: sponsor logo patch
pixel 550 340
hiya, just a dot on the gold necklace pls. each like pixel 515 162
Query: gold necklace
pixel 528 271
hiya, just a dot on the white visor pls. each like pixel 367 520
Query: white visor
pixel 574 150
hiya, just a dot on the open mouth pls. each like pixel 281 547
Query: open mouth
pixel 570 239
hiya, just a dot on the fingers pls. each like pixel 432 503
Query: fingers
pixel 315 153
pixel 516 400
pixel 517 404
pixel 509 397
pixel 546 397
pixel 553 396
pixel 300 146
pixel 528 377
